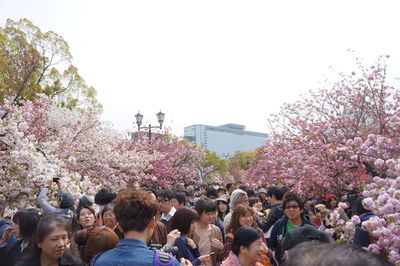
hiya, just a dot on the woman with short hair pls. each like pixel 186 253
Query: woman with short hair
pixel 247 248
pixel 50 247
pixel 184 220
pixel 93 241
pixel 206 235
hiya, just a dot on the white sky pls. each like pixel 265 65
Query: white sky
pixel 212 62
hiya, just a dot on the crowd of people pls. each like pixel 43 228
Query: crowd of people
pixel 206 224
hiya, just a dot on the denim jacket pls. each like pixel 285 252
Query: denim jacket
pixel 128 252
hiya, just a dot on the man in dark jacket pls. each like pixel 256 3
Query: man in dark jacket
pixel 274 195
pixel 294 218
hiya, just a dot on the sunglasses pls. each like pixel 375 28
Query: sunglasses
pixel 293 207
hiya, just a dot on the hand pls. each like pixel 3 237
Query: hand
pixel 262 218
pixel 185 262
pixel 204 258
pixel 215 243
pixel 7 233
pixel 191 243
pixel 172 236
pixel 49 183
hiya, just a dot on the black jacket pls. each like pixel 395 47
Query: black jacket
pixel 274 215
pixel 66 260
pixel 11 255
pixel 279 230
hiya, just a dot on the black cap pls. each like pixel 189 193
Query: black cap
pixel 302 234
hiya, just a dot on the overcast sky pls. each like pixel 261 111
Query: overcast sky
pixel 212 62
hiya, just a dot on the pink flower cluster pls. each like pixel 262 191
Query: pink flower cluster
pixel 40 140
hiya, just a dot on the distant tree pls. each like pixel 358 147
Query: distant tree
pixel 218 166
pixel 33 62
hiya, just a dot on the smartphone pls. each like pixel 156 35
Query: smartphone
pixel 55 179
pixel 212 254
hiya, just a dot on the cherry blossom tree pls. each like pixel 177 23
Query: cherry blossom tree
pixel 308 148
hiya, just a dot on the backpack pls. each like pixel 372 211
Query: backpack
pixel 160 259
pixel 163 259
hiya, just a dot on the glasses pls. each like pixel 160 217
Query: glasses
pixel 293 207
pixel 163 200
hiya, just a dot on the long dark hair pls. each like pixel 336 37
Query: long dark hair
pixel 45 227
pixel 27 221
pixel 219 213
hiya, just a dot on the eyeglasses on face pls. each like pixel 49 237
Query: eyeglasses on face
pixel 163 200
pixel 293 207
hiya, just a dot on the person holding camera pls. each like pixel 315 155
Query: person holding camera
pixel 136 212
pixel 65 201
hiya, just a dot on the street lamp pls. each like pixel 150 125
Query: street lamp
pixel 139 119
pixel 226 155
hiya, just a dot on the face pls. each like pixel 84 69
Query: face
pixel 258 206
pixel 312 215
pixel 246 219
pixel 165 205
pixel 16 230
pixel 334 202
pixel 86 218
pixel 109 219
pixel 55 243
pixel 254 252
pixel 212 197
pixel 175 203
pixel 292 210
pixel 244 199
pixel 208 217
pixel 223 207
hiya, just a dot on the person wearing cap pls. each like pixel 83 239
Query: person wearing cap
pixel 263 193
pixel 238 196
pixel 222 211
pixel 332 204
pixel 64 199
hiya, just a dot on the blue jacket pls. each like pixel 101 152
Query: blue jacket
pixel 128 252
pixel 279 230
pixel 187 252
pixel 361 237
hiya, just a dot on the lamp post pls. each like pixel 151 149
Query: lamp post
pixel 139 118
pixel 226 155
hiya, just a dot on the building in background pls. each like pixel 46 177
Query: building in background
pixel 225 140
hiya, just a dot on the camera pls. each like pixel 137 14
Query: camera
pixel 167 249
pixel 317 210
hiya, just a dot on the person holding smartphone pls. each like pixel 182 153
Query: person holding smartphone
pixel 206 235
pixel 64 199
